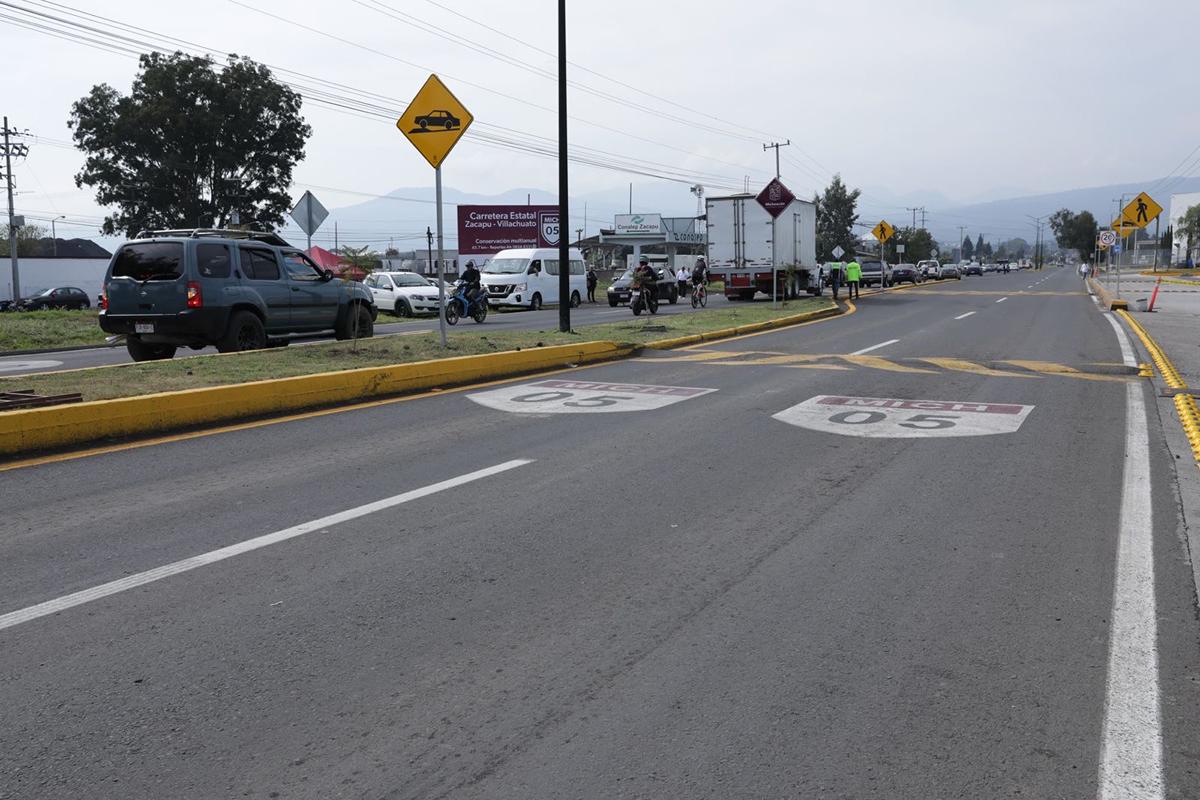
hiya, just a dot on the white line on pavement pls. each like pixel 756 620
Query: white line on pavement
pixel 1131 747
pixel 964 316
pixel 866 350
pixel 1002 299
pixel 167 570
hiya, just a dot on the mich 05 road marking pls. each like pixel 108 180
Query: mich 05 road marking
pixel 583 397
pixel 895 418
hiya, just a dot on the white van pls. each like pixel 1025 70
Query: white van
pixel 529 278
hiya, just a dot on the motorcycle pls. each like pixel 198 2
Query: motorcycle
pixel 643 297
pixel 460 304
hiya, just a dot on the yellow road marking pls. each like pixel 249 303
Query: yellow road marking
pixel 1050 368
pixel 962 365
pixel 875 362
pixel 850 309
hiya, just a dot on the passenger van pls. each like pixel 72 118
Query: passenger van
pixel 528 278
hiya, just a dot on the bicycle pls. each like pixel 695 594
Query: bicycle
pixel 699 295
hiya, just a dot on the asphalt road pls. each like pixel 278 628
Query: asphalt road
pixel 587 314
pixel 688 597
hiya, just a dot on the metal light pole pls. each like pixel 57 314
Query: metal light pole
pixel 54 235
pixel 564 245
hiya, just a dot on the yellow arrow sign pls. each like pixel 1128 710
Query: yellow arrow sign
pixel 883 231
pixel 1140 212
pixel 434 121
pixel 1124 227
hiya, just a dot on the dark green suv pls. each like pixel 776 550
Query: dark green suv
pixel 235 290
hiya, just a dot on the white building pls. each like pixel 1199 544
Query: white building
pixel 1180 203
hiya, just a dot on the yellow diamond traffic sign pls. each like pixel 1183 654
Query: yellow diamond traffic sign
pixel 1140 212
pixel 1123 227
pixel 883 231
pixel 434 121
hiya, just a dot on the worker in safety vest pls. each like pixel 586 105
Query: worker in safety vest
pixel 835 277
pixel 853 278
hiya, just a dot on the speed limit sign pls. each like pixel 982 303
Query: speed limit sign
pixel 1108 238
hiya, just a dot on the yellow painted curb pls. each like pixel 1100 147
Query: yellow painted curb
pixel 1106 299
pixel 59 426
pixel 1185 404
pixel 726 333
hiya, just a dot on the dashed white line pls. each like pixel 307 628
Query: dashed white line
pixel 866 350
pixel 204 559
pixel 964 316
pixel 1002 299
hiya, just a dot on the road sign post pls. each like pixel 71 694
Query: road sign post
pixel 309 214
pixel 883 231
pixel 434 122
pixel 775 198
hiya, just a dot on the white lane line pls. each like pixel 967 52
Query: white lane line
pixel 167 570
pixel 1002 299
pixel 866 350
pixel 1131 747
pixel 1126 348
pixel 964 316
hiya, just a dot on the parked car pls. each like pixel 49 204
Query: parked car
pixel 528 278
pixel 949 271
pixel 907 273
pixel 876 272
pixel 668 287
pixel 231 289
pixel 973 268
pixel 404 293
pixel 58 297
pixel 929 268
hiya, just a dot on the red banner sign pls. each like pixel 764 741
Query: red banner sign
pixel 486 230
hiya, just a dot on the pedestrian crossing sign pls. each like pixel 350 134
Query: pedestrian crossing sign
pixel 1140 212
pixel 883 231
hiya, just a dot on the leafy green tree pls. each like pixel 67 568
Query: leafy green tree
pixel 918 245
pixel 360 257
pixel 1188 228
pixel 979 246
pixel 988 252
pixel 190 145
pixel 837 212
pixel 1167 239
pixel 1075 231
pixel 968 249
pixel 28 240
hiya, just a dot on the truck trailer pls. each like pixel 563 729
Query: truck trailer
pixel 744 242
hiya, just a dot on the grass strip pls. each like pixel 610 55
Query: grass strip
pixel 128 380
pixel 39 330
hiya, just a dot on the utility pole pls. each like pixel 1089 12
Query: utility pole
pixel 54 235
pixel 564 249
pixel 776 145
pixel 20 150
pixel 915 210
pixel 922 217
pixel 962 231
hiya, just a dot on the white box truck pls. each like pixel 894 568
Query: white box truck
pixel 744 242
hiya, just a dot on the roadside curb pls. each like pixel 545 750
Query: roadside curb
pixel 1185 403
pixel 57 427
pixel 754 327
pixel 1107 300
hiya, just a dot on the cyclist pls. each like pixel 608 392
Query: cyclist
pixel 700 273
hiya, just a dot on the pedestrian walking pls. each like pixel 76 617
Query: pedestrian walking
pixel 853 279
pixel 591 284
pixel 1083 271
pixel 835 277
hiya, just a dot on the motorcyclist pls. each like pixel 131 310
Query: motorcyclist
pixel 470 278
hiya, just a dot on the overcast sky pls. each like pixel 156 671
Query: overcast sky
pixel 971 99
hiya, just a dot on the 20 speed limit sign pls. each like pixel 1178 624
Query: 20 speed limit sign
pixel 892 418
pixel 583 397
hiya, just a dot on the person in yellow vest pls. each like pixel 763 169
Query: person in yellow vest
pixel 853 278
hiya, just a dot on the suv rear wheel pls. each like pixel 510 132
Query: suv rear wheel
pixel 245 332
pixel 358 315
pixel 142 351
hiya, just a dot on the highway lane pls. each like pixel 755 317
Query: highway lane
pixel 817 615
pixel 587 314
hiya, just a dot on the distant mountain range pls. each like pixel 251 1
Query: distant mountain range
pixel 402 216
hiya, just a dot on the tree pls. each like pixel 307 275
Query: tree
pixel 28 240
pixel 988 252
pixel 836 215
pixel 979 246
pixel 968 249
pixel 1168 238
pixel 360 257
pixel 918 245
pixel 1075 231
pixel 190 145
pixel 1188 228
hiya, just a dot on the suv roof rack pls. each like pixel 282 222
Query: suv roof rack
pixel 266 237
